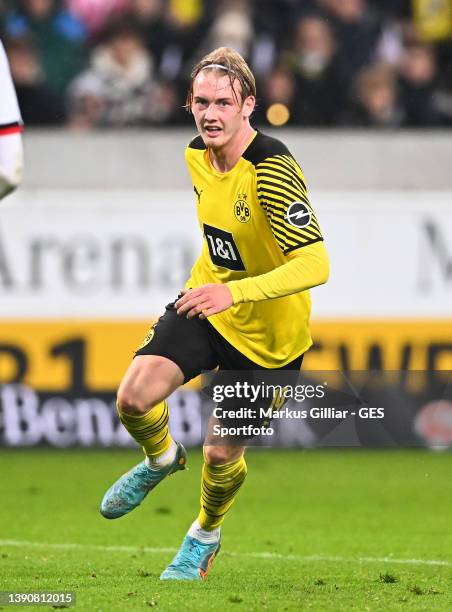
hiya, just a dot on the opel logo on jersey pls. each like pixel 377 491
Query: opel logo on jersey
pixel 298 214
pixel 242 211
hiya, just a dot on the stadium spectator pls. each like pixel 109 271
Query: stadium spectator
pixel 393 9
pixel 95 14
pixel 277 105
pixel 186 13
pixel 38 105
pixel 433 20
pixel 333 41
pixel 377 103
pixel 59 38
pixel 356 30
pixel 389 46
pixel 232 27
pixel 119 88
pixel 164 40
pixel 172 31
pixel 418 72
pixel 442 98
pixel 276 17
pixel 319 82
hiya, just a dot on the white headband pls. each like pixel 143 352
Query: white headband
pixel 215 66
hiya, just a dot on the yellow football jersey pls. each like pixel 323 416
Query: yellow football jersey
pixel 251 217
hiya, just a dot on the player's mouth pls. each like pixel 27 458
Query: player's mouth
pixel 212 130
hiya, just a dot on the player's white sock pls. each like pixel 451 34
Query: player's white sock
pixel 164 459
pixel 204 536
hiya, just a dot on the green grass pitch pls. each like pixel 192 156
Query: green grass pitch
pixel 318 529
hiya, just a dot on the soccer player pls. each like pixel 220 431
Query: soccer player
pixel 245 307
pixel 11 153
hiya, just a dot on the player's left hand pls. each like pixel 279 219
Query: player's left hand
pixel 204 301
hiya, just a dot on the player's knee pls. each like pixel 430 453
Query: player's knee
pixel 219 455
pixel 132 401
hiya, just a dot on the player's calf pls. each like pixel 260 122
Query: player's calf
pixel 145 415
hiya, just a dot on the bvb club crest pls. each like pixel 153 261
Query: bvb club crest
pixel 242 211
pixel 147 338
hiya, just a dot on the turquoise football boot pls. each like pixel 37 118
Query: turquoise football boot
pixel 129 491
pixel 192 561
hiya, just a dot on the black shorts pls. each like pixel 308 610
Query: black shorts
pixel 196 347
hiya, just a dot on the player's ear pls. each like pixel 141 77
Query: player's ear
pixel 248 106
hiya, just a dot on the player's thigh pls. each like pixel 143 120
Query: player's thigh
pixel 174 351
pixel 148 380
pixel 185 342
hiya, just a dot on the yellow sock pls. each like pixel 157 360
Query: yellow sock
pixel 219 487
pixel 149 429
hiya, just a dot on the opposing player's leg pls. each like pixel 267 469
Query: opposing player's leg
pixel 223 473
pixel 144 413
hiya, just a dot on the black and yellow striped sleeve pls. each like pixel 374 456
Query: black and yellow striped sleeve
pixel 281 191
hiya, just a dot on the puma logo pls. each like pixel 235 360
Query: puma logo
pixel 198 193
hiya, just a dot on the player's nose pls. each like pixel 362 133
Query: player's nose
pixel 210 112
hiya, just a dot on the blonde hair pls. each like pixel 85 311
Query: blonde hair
pixel 227 61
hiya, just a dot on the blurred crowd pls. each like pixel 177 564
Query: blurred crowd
pixel 113 63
